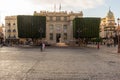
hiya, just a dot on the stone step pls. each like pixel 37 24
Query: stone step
pixel 61 44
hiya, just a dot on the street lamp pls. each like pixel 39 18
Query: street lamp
pixel 118 20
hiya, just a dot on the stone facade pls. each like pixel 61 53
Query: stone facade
pixel 59 26
pixel 11 31
pixel 1 35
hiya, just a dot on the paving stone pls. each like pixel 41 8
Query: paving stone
pixel 66 63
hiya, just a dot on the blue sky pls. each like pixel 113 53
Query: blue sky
pixel 90 8
pixel 102 10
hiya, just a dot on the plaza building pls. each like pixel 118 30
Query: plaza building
pixel 108 26
pixel 1 35
pixel 11 31
pixel 59 25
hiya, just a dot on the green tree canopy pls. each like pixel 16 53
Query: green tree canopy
pixel 31 26
pixel 86 27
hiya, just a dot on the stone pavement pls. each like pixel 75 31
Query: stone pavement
pixel 68 63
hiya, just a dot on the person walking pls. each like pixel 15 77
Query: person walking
pixel 41 46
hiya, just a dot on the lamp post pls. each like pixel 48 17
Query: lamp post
pixel 118 20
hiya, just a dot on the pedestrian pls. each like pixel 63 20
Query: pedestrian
pixel 41 46
pixel 98 45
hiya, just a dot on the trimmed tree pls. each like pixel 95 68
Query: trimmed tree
pixel 31 26
pixel 86 27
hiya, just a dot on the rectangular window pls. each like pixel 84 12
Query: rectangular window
pixel 9 36
pixel 58 18
pixel 65 28
pixel 65 18
pixel 51 36
pixel 65 36
pixel 51 28
pixel 51 18
pixel 58 28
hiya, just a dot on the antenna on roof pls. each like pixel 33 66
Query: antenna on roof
pixel 60 7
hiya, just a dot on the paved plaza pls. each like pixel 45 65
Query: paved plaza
pixel 66 63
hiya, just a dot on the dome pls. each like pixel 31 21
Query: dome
pixel 110 14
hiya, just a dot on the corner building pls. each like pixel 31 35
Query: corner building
pixel 11 31
pixel 59 25
pixel 108 26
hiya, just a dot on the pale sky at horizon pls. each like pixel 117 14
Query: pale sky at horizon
pixel 90 8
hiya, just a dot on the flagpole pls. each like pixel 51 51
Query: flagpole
pixel 60 8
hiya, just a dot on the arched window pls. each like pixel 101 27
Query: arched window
pixel 14 30
pixel 9 30
pixel 14 36
pixel 14 24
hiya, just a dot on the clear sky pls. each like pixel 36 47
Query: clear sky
pixel 90 8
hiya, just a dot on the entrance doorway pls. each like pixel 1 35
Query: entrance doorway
pixel 58 35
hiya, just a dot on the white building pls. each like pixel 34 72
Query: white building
pixel 59 25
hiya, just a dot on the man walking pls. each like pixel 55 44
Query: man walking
pixel 41 46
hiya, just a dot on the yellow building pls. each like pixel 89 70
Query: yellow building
pixel 108 26
pixel 59 25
